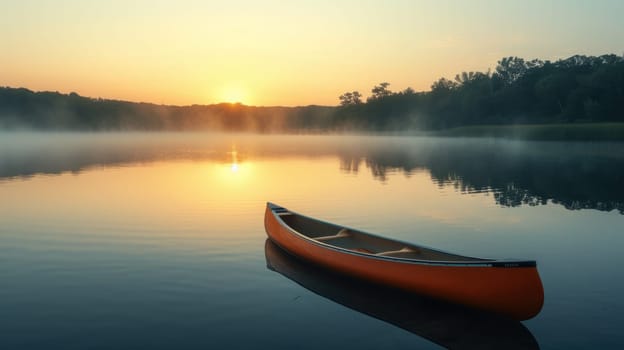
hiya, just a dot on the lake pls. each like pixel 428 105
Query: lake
pixel 137 240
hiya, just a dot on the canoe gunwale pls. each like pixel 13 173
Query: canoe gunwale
pixel 276 210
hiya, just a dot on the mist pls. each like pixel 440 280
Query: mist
pixel 576 175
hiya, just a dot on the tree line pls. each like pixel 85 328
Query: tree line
pixel 518 91
pixel 576 89
pixel 21 108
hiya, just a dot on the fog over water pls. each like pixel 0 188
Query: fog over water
pixel 576 175
pixel 130 240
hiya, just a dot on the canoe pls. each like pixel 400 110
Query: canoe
pixel 449 325
pixel 508 287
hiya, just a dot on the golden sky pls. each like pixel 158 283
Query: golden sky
pixel 282 52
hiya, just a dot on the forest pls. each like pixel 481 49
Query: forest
pixel 578 89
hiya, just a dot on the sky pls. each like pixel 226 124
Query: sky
pixel 283 52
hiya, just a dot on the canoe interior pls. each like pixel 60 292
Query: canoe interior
pixel 358 241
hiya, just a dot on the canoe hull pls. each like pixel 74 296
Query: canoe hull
pixel 513 291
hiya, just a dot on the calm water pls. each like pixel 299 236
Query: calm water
pixel 157 241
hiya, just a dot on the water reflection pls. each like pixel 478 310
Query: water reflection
pixel 575 175
pixel 450 326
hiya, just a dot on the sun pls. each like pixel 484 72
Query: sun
pixel 233 94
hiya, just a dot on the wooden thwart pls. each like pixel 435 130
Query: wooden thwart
pixel 341 234
pixel 400 251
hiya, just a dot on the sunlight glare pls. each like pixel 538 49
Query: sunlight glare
pixel 233 94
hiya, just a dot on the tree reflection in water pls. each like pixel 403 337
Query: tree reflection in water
pixel 579 175
pixel 575 175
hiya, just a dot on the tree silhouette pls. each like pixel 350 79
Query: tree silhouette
pixel 510 69
pixel 380 91
pixel 443 85
pixel 350 98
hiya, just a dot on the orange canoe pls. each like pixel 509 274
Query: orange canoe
pixel 508 287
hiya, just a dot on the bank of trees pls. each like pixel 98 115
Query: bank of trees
pixel 24 109
pixel 576 89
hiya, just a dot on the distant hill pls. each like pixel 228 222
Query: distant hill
pixel 24 109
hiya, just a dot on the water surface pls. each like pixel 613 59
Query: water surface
pixel 157 240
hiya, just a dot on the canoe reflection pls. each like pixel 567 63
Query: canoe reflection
pixel 448 325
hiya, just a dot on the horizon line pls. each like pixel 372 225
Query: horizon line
pixel 164 104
